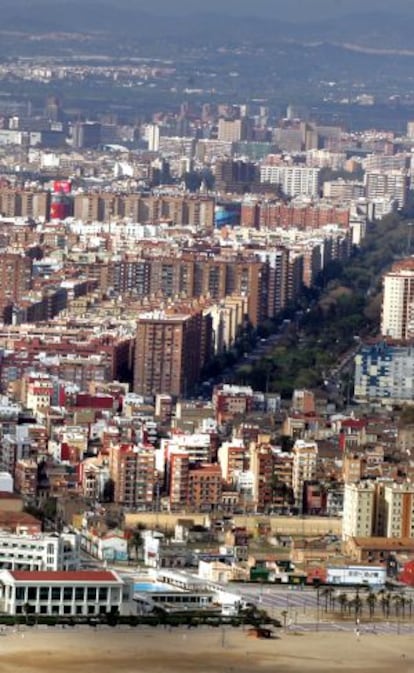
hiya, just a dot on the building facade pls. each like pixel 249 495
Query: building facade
pixel 60 593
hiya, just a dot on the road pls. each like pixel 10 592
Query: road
pixel 299 607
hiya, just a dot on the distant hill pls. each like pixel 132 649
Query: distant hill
pixel 117 17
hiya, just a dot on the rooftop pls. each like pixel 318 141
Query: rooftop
pixel 100 576
pixel 385 543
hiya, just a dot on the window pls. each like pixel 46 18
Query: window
pixel 32 593
pixel 91 609
pixel 79 610
pixel 55 593
pixel 44 594
pixel 67 594
pixel 79 594
pixel 19 593
pixel 67 610
pixel 91 594
pixel 103 594
pixel 43 609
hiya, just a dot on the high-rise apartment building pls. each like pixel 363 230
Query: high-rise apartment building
pixel 233 459
pixel 396 510
pixel 397 320
pixel 152 134
pixel 359 510
pixel 305 456
pixel 15 276
pixel 293 180
pixel 387 184
pixel 233 130
pixel 132 470
pixel 261 466
pixel 170 351
pixel 204 488
pixel 178 478
pixel 384 372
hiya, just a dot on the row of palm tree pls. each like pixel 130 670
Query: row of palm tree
pixel 390 603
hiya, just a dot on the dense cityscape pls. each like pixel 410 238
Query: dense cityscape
pixel 206 345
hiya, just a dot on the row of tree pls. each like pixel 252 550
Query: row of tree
pixel 383 603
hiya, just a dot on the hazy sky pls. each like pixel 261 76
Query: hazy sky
pixel 291 10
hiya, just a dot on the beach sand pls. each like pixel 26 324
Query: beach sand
pixel 200 651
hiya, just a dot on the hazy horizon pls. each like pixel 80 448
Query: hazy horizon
pixel 294 10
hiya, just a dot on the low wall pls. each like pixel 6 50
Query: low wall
pixel 286 525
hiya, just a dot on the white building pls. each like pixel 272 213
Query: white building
pixel 398 304
pixel 387 184
pixel 152 135
pixel 355 574
pixel 60 593
pixel 293 180
pixel 111 546
pixel 359 510
pixel 40 552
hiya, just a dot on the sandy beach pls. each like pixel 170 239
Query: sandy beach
pixel 201 651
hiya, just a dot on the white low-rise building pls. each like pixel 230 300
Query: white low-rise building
pixel 357 574
pixel 40 552
pixel 60 593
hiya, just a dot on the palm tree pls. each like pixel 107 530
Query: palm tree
pixel 343 602
pixel 326 594
pixel 397 604
pixel 371 601
pixel 358 605
pixel 403 604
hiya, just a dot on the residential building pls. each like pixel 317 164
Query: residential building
pixel 178 478
pixel 292 180
pixel 397 509
pixel 261 466
pixel 397 321
pixel 204 488
pixel 359 510
pixel 384 373
pixel 169 352
pixel 305 456
pixel 25 478
pixel 132 469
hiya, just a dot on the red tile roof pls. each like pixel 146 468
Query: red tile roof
pixel 64 576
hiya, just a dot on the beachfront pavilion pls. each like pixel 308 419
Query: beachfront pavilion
pixel 60 592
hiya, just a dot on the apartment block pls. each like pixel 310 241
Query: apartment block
pixel 169 352
pixel 132 469
pixel 397 509
pixel 178 479
pixel 292 180
pixel 384 373
pixel 359 510
pixel 305 456
pixel 204 488
pixel 397 320
pixel 261 467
